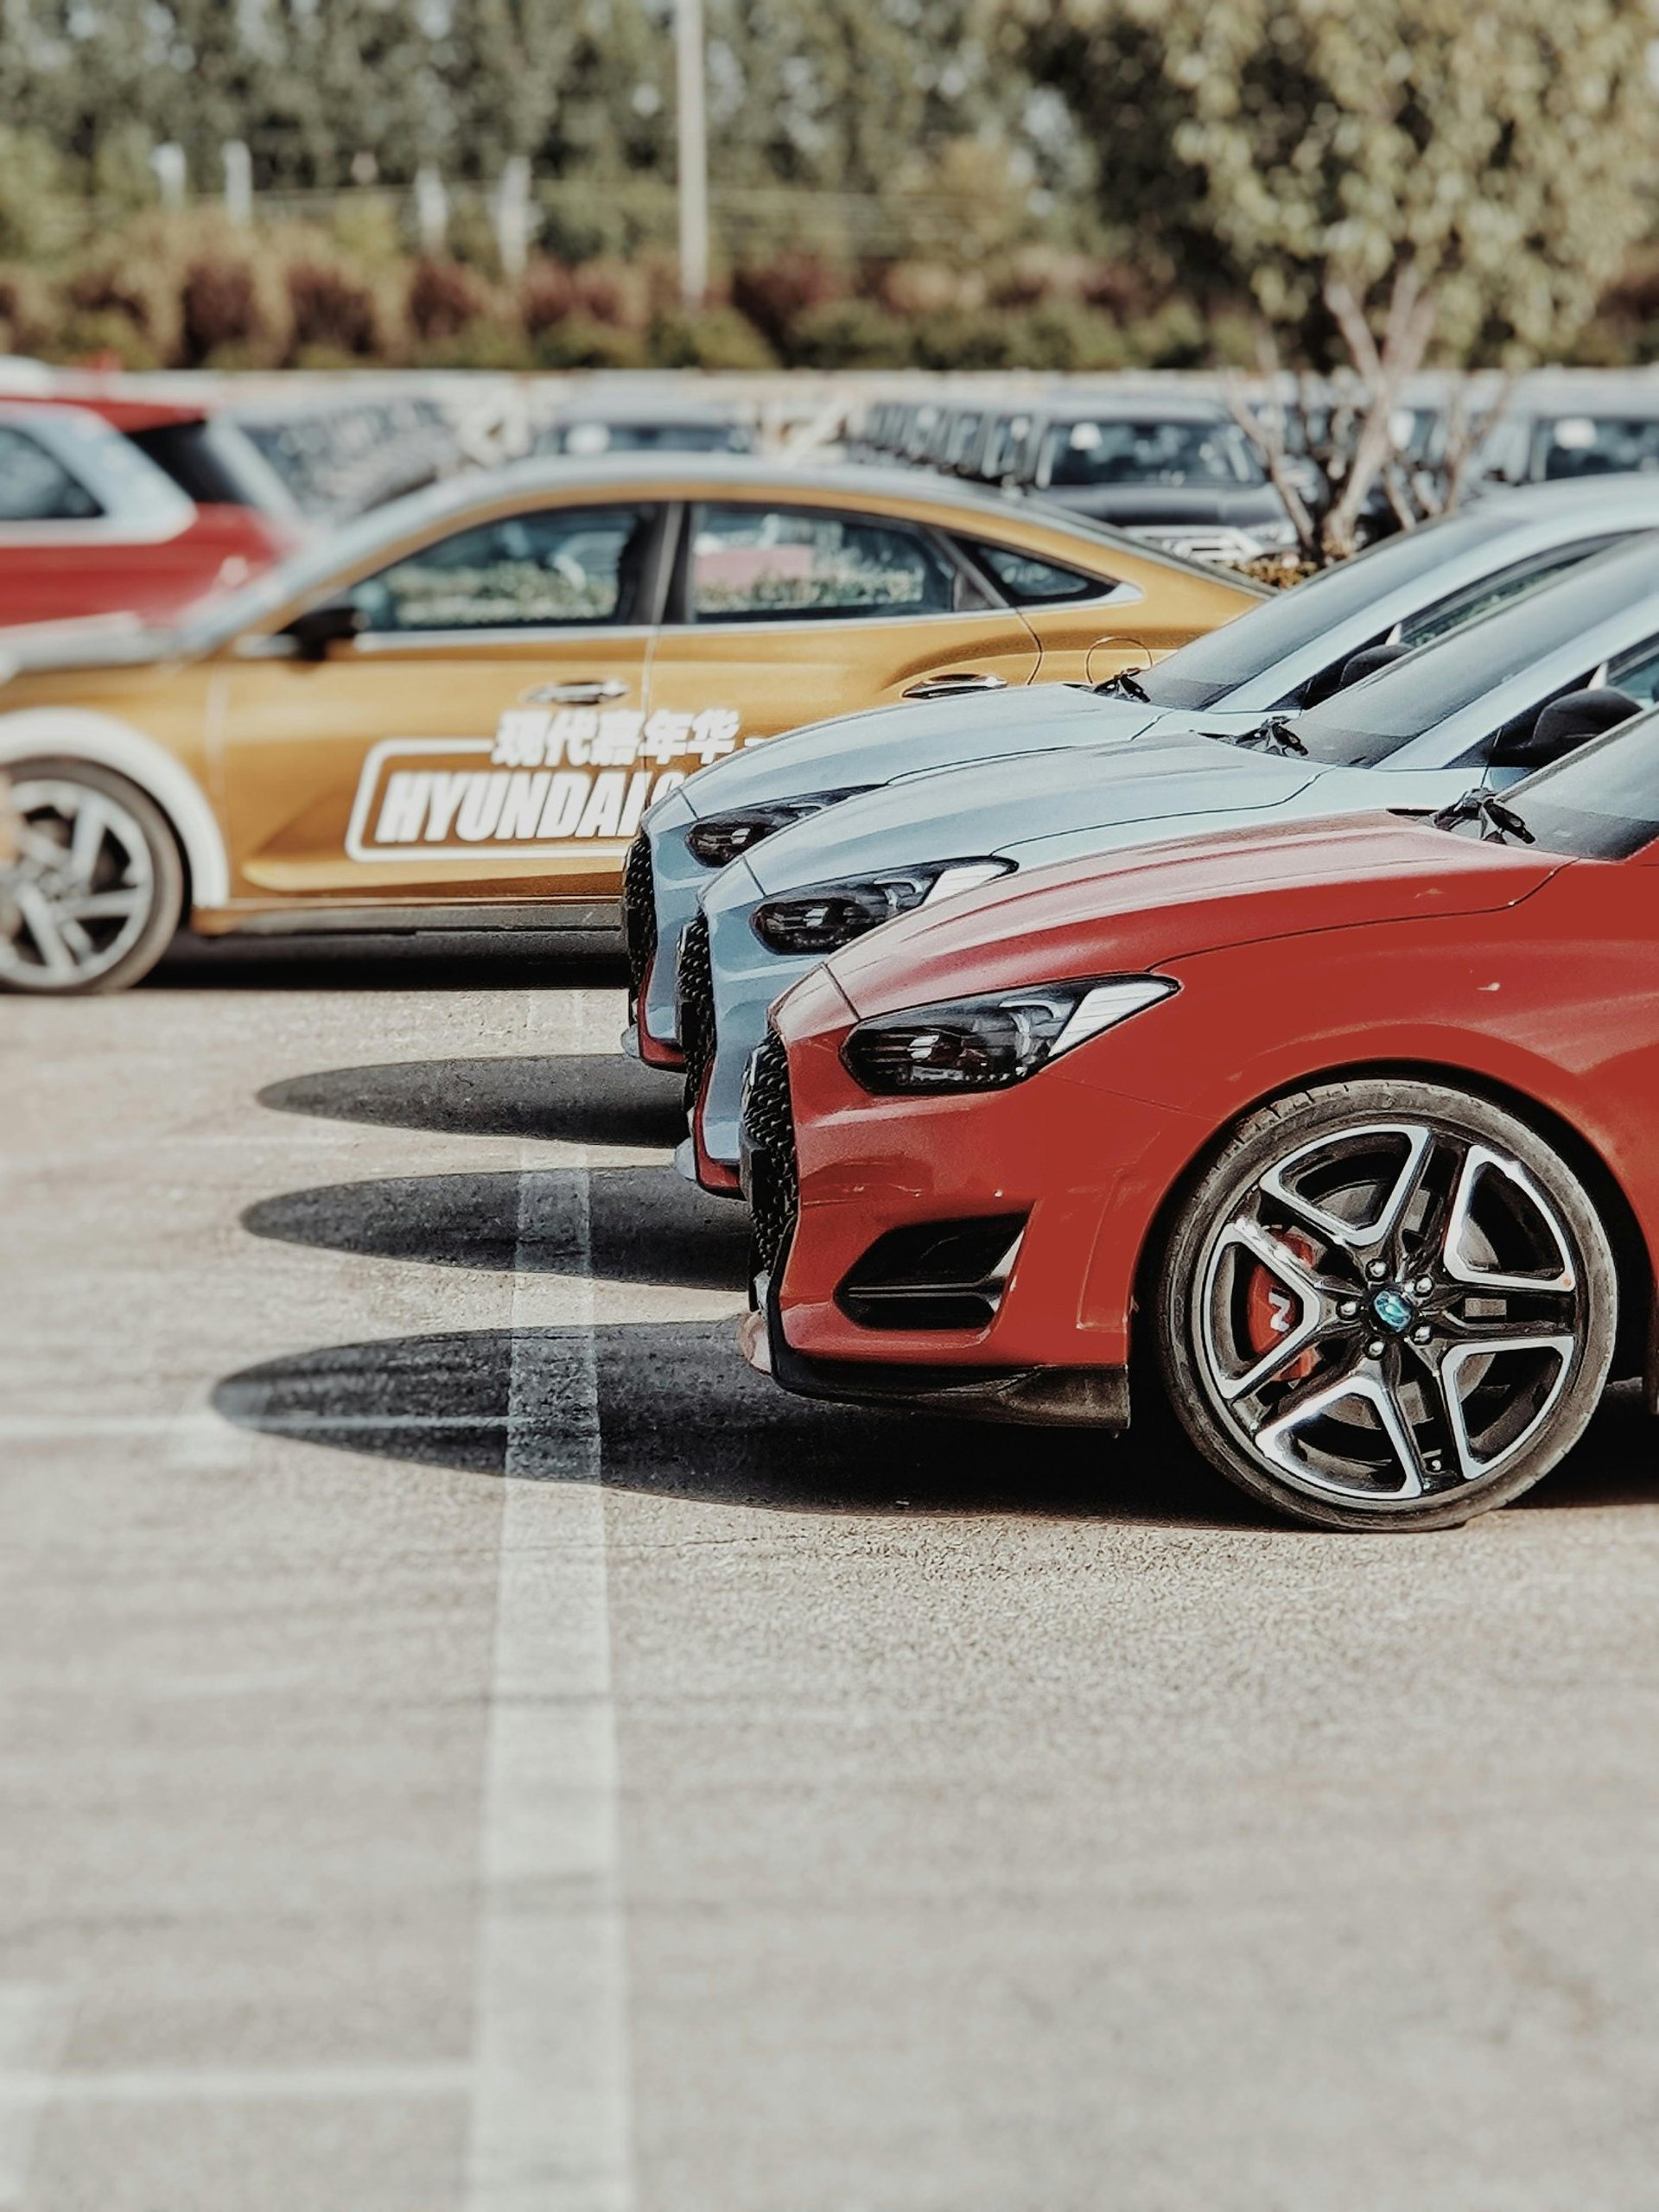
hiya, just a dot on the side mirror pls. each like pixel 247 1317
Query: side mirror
pixel 333 623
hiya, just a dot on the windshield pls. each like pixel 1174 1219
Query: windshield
pixel 1150 452
pixel 1600 804
pixel 1596 445
pixel 1358 727
pixel 1204 671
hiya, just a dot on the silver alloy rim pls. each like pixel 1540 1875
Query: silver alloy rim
pixel 1389 1314
pixel 78 897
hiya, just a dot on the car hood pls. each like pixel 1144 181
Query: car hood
pixel 1162 903
pixel 994 806
pixel 888 741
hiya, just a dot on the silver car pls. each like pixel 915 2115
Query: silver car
pixel 1522 686
pixel 1290 653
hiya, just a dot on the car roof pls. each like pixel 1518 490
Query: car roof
pixel 1146 405
pixel 1566 393
pixel 1595 494
pixel 647 407
pixel 675 475
pixel 123 412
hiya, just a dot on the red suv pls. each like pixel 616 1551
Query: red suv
pixel 137 506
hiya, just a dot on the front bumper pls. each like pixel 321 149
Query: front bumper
pixel 1083 1397
pixel 745 979
pixel 677 881
pixel 1089 1167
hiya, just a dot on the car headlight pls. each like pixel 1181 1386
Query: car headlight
pixel 826 915
pixel 720 837
pixel 987 1044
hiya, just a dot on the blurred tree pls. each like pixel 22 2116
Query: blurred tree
pixel 1380 173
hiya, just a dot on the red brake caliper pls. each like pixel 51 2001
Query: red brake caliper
pixel 1271 1309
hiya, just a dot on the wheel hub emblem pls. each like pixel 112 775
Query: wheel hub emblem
pixel 1393 1309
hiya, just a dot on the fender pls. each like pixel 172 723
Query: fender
pixel 77 734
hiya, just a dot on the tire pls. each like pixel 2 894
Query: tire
pixel 1387 1304
pixel 97 895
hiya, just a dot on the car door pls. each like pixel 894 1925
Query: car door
pixel 784 613
pixel 480 735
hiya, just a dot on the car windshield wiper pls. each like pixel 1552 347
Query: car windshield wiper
pixel 1273 736
pixel 1499 824
pixel 1124 686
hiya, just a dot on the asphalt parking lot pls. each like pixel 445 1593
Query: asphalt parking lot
pixel 468 1746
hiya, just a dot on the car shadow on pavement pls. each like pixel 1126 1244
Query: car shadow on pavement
pixel 480 960
pixel 681 1416
pixel 1612 1463
pixel 585 1098
pixel 638 1225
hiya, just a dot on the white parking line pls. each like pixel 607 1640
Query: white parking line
pixel 35 2020
pixel 140 2085
pixel 551 2120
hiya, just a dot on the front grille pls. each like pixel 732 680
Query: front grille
pixel 639 915
pixel 696 988
pixel 769 1143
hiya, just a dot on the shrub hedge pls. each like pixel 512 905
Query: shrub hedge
pixel 189 291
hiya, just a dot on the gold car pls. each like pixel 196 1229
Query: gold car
pixel 456 710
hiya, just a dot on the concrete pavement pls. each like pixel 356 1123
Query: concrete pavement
pixel 465 1745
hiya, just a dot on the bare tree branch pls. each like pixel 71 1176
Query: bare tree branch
pixel 1264 430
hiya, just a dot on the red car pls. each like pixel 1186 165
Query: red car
pixel 93 523
pixel 1339 1135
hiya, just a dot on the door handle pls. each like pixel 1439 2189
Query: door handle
pixel 593 693
pixel 952 681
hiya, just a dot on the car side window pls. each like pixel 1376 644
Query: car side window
pixel 563 567
pixel 792 564
pixel 1493 592
pixel 35 486
pixel 1484 596
pixel 1029 581
pixel 1637 674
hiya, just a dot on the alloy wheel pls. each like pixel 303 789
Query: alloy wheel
pixel 80 896
pixel 1387 1315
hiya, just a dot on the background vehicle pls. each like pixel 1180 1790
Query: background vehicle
pixel 1291 652
pixel 1553 428
pixel 1522 686
pixel 658 422
pixel 1381 1236
pixel 203 449
pixel 458 709
pixel 1177 471
pixel 91 525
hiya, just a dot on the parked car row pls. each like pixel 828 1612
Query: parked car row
pixel 454 711
pixel 1111 986
pixel 1266 1038
pixel 1174 464
pixel 1174 467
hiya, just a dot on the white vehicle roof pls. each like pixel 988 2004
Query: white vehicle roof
pixel 134 501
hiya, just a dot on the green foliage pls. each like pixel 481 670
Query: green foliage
pixel 38 215
pixel 1498 150
pixel 719 338
pixel 580 342
pixel 850 334
pixel 1073 184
